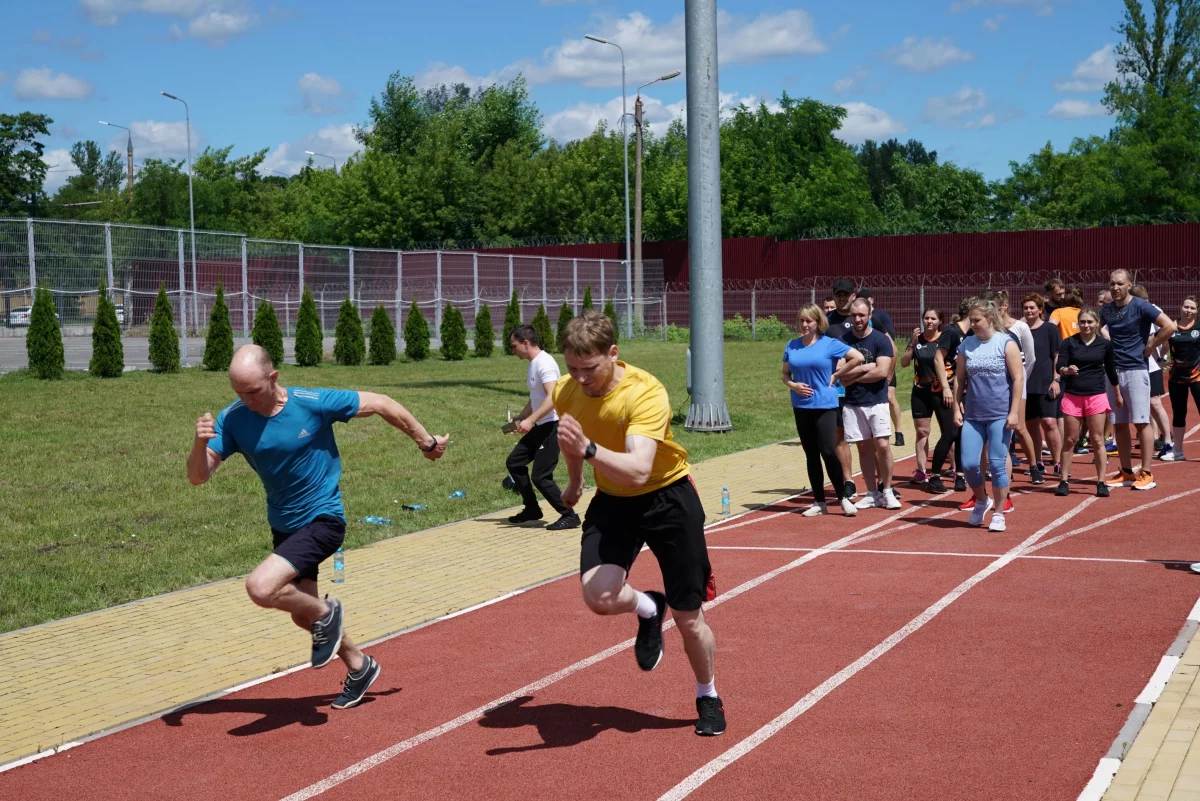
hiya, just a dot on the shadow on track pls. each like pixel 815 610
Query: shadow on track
pixel 274 713
pixel 565 725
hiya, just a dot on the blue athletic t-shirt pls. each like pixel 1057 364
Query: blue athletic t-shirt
pixel 814 365
pixel 293 453
pixel 1129 329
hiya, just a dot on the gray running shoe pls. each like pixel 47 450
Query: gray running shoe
pixel 355 687
pixel 327 634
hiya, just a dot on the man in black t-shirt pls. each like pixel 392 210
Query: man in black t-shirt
pixel 865 417
pixel 882 321
pixel 1056 293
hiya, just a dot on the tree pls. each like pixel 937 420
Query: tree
pixel 383 337
pixel 587 297
pixel 310 346
pixel 565 315
pixel 108 354
pixel 484 334
pixel 43 342
pixel 541 324
pixel 416 334
pixel 348 344
pixel 933 196
pixel 97 172
pixel 512 318
pixel 878 162
pixel 218 345
pixel 164 342
pixel 611 314
pixel 453 334
pixel 22 171
pixel 267 333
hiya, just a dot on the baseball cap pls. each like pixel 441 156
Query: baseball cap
pixel 864 293
pixel 843 285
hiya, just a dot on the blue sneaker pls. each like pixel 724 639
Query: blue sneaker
pixel 1110 447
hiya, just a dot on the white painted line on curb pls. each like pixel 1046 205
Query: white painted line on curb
pixel 1158 680
pixel 1097 786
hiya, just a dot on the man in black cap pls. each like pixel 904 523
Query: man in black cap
pixel 839 324
pixel 882 321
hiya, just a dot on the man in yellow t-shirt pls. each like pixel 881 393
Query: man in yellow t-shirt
pixel 618 418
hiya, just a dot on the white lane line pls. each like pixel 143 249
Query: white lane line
pixel 1158 681
pixel 1114 518
pixel 1151 562
pixel 39 755
pixel 379 758
pixel 699 777
pixel 1101 779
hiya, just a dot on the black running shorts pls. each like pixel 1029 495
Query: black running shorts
pixel 306 548
pixel 924 402
pixel 1043 407
pixel 1157 390
pixel 669 520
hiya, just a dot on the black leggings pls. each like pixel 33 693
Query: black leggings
pixel 949 436
pixel 1179 397
pixel 817 429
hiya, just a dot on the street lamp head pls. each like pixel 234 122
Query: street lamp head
pixel 168 94
pixel 670 75
pixel 102 122
pixel 309 153
pixel 596 39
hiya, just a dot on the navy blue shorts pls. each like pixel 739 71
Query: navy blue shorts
pixel 307 547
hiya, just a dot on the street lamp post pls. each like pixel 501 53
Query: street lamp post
pixel 638 284
pixel 322 155
pixel 187 116
pixel 625 156
pixel 128 152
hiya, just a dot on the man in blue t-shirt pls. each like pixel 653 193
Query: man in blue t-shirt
pixel 286 436
pixel 1126 321
pixel 866 417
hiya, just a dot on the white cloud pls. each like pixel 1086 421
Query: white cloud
pixel 1043 8
pixel 581 119
pixel 158 140
pixel 843 85
pixel 216 27
pixel 45 84
pixel 175 33
pixel 957 111
pixel 107 12
pixel 992 24
pixel 867 122
pixel 320 94
pixel 1091 74
pixel 336 140
pixel 60 169
pixel 440 73
pixel 1072 109
pixel 927 54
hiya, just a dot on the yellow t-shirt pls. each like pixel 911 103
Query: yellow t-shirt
pixel 1067 320
pixel 637 405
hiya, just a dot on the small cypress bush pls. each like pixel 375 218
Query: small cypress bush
pixel 541 324
pixel 485 336
pixel 43 342
pixel 383 337
pixel 108 354
pixel 349 348
pixel 454 334
pixel 565 316
pixel 218 345
pixel 587 297
pixel 164 342
pixel 611 314
pixel 416 334
pixel 512 318
pixel 266 332
pixel 310 349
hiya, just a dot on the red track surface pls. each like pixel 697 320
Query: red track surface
pixel 1015 690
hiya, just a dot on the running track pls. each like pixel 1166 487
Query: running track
pixel 898 655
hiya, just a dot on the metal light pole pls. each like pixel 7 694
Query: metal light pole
pixel 707 411
pixel 187 116
pixel 625 156
pixel 322 155
pixel 128 152
pixel 640 310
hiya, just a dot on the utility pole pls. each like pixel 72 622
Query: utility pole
pixel 639 313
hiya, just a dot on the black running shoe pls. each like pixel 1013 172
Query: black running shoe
pixel 1036 475
pixel 569 520
pixel 899 439
pixel 711 711
pixel 525 516
pixel 934 484
pixel 327 634
pixel 355 687
pixel 648 647
pixel 960 483
pixel 1063 489
pixel 849 490
pixel 1101 489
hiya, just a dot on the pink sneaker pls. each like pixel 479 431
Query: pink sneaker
pixel 919 477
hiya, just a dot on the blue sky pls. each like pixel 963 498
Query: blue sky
pixel 980 81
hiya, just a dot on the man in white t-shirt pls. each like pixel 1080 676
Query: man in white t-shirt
pixel 538 425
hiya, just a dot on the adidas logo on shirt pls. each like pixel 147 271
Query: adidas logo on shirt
pixel 304 433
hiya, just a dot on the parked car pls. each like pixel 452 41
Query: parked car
pixel 120 314
pixel 19 317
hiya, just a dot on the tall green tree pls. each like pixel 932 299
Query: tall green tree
pixel 878 161
pixel 611 313
pixel 22 171
pixel 218 345
pixel 43 341
pixel 512 318
pixel 453 334
pixel 266 332
pixel 416 334
pixel 383 337
pixel 164 341
pixel 587 298
pixel 541 324
pixel 310 346
pixel 349 347
pixel 108 354
pixel 485 335
pixel 565 316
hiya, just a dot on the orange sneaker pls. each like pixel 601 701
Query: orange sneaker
pixel 1124 479
pixel 1144 481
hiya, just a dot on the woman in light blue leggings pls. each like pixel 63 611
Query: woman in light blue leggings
pixel 991 362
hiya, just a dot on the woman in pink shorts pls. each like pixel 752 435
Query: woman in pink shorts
pixel 1084 360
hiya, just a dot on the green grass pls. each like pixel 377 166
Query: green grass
pixel 97 509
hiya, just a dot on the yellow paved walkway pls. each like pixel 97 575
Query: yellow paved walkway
pixel 71 678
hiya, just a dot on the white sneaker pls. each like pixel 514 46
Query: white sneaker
pixel 977 514
pixel 1175 455
pixel 998 523
pixel 814 510
pixel 890 501
pixel 848 508
pixel 871 500
pixel 1195 567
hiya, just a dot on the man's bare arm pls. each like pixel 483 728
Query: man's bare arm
pixel 373 403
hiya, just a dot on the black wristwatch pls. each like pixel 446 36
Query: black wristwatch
pixel 432 446
pixel 590 451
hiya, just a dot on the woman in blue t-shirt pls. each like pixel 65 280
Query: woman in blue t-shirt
pixel 812 363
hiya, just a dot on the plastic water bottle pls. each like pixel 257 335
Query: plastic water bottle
pixel 724 501
pixel 339 567
pixel 376 521
pixel 457 495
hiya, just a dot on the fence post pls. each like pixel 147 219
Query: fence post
pixel 921 305
pixel 301 263
pixel 32 260
pixel 437 311
pixel 352 281
pixel 664 315
pixel 245 298
pixel 182 307
pixel 511 288
pixel 628 298
pixel 399 302
pixel 602 284
pixel 754 310
pixel 287 314
pixel 108 265
pixel 545 301
pixel 322 301
pixel 813 295
pixel 475 270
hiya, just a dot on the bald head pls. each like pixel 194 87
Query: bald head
pixel 253 377
pixel 251 361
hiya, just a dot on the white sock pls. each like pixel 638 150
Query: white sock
pixel 645 605
pixel 709 689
